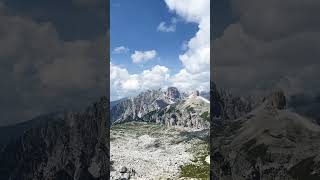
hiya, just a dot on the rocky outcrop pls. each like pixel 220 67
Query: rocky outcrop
pixel 269 142
pixel 71 147
pixel 196 93
pixel 277 100
pixel 229 107
pixel 167 108
pixel 124 174
pixel 172 94
pixel 136 107
pixel 193 112
pixel 151 151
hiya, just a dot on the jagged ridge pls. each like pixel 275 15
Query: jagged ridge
pixel 269 142
pixel 170 108
pixel 71 147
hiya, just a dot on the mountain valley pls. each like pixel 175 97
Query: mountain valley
pixel 159 135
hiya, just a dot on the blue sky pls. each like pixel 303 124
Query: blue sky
pixel 134 25
pixel 160 31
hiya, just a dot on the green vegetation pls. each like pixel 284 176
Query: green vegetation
pixel 196 171
pixel 199 168
pixel 190 109
pixel 205 116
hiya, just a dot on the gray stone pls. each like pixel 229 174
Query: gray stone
pixel 123 169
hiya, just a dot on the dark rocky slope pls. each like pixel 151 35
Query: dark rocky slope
pixel 268 143
pixel 70 147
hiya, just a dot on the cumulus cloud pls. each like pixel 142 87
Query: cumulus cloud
pixel 190 10
pixel 42 73
pixel 195 74
pixel 272 19
pixel 191 82
pixel 123 84
pixel 273 45
pixel 121 49
pixel 163 27
pixel 143 56
pixel 156 77
pixel 196 59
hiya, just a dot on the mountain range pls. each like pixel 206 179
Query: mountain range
pixel 170 108
pixel 263 138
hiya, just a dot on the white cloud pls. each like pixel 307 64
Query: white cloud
pixel 120 50
pixel 196 59
pixel 123 84
pixel 163 27
pixel 143 56
pixel 156 77
pixel 195 74
pixel 246 65
pixel 46 68
pixel 132 83
pixel 190 10
pixel 190 82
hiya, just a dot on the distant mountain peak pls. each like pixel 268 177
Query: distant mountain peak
pixel 168 107
pixel 172 94
pixel 277 100
pixel 195 93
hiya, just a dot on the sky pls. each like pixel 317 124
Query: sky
pixel 156 44
pixel 52 56
pixel 263 45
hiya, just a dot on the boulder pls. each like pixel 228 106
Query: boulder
pixel 123 169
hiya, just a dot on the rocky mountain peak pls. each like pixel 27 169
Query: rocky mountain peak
pixel 277 100
pixel 195 93
pixel 170 108
pixel 172 94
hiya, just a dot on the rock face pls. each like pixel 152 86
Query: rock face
pixel 172 94
pixel 196 93
pixel 229 107
pixel 277 100
pixel 136 107
pixel 124 174
pixel 193 112
pixel 269 142
pixel 167 108
pixel 71 147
